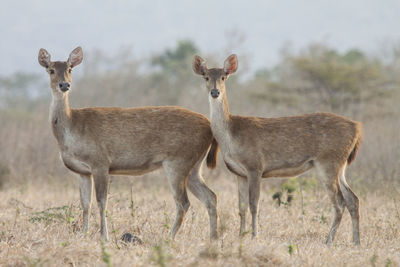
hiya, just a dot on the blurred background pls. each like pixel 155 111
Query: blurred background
pixel 294 57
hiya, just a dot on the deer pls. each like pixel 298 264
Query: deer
pixel 254 148
pixel 96 142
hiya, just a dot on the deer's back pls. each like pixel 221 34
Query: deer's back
pixel 296 139
pixel 161 128
pixel 135 138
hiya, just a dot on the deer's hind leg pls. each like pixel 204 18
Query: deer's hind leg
pixel 177 173
pixel 330 175
pixel 352 204
pixel 198 187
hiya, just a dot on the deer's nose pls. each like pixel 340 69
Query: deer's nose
pixel 64 86
pixel 214 93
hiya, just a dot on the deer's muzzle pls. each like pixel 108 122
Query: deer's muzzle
pixel 214 93
pixel 64 86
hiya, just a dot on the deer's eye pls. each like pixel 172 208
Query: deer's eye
pixel 207 79
pixel 51 71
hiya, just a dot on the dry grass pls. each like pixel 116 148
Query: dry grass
pixel 29 238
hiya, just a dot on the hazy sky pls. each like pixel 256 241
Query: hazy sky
pixel 152 26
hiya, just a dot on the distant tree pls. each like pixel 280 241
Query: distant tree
pixel 20 88
pixel 174 62
pixel 322 78
pixel 173 76
pixel 338 79
pixel 353 56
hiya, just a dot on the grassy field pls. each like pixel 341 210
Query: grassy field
pixel 41 226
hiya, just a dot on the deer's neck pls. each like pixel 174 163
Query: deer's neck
pixel 60 116
pixel 220 118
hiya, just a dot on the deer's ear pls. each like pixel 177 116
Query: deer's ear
pixel 199 65
pixel 76 57
pixel 231 64
pixel 44 58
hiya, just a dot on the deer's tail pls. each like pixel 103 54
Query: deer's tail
pixel 212 155
pixel 357 145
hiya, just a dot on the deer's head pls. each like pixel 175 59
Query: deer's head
pixel 60 71
pixel 215 78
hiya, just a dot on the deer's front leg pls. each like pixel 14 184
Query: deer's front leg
pixel 243 190
pixel 85 190
pixel 254 181
pixel 101 181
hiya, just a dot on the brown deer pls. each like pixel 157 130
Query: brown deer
pixel 255 148
pixel 98 142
